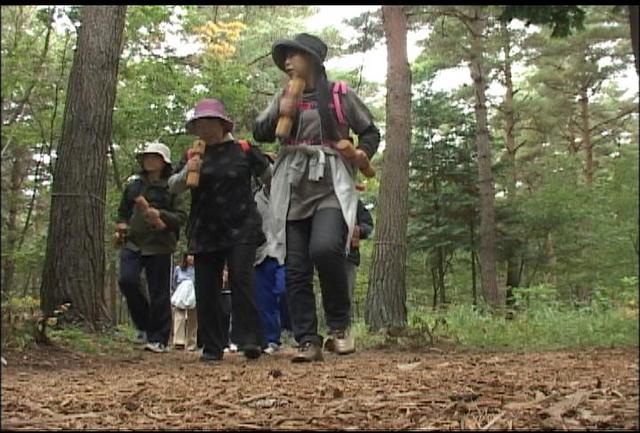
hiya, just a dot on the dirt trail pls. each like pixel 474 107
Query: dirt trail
pixel 373 389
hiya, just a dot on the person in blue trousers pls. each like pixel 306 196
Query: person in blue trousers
pixel 270 279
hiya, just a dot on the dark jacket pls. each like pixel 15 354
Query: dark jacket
pixel 223 212
pixel 365 222
pixel 142 236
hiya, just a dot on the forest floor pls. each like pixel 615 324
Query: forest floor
pixel 433 388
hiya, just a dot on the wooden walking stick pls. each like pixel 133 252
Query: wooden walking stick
pixel 345 147
pixel 293 93
pixel 193 177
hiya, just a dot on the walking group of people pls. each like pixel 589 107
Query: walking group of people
pixel 304 216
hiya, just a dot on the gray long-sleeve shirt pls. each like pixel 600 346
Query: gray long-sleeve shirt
pixel 312 176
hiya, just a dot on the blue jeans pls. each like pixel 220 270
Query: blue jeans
pixel 269 292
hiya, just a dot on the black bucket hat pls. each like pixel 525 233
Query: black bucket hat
pixel 304 42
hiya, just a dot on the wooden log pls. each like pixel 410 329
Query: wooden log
pixel 345 147
pixel 193 176
pixel 293 93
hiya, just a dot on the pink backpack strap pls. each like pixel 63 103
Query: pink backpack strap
pixel 339 87
pixel 245 145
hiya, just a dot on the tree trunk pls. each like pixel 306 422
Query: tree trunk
pixel 74 268
pixel 633 25
pixel 474 290
pixel 18 173
pixel 386 297
pixel 513 262
pixel 586 137
pixel 552 260
pixel 485 179
pixel 441 272
pixel 487 212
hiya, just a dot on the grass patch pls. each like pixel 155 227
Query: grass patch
pixel 116 341
pixel 540 328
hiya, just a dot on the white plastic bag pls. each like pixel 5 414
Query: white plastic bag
pixel 185 296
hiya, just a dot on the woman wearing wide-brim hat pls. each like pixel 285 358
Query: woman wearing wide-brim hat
pixel 313 195
pixel 224 226
pixel 151 239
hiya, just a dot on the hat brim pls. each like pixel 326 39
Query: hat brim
pixel 189 125
pixel 279 52
pixel 141 154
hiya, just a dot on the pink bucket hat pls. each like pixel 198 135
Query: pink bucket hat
pixel 209 108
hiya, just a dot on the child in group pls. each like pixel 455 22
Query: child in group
pixel 224 226
pixel 313 197
pixel 183 300
pixel 229 346
pixel 149 220
pixel 270 278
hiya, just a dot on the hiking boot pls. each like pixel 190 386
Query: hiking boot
pixel 340 342
pixel 251 351
pixel 307 352
pixel 210 356
pixel 156 347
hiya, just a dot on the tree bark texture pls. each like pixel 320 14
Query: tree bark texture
pixel 586 136
pixel 634 19
pixel 10 226
pixel 386 297
pixel 74 269
pixel 488 276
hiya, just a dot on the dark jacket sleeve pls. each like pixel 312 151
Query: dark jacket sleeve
pixel 259 165
pixel 264 129
pixel 177 215
pixel 364 220
pixel 126 202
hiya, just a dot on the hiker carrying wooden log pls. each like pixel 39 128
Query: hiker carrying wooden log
pixel 151 217
pixel 313 196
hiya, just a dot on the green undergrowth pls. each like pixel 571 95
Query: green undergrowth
pixel 115 341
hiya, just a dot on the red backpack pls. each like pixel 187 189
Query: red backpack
pixel 338 88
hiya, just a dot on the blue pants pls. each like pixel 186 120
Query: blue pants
pixel 270 293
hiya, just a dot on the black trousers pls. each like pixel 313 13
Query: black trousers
pixel 153 316
pixel 212 320
pixel 317 241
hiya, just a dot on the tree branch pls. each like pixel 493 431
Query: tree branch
pixel 20 109
pixel 619 116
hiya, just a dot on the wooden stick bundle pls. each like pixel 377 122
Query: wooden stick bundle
pixel 345 147
pixel 193 177
pixel 143 204
pixel 293 93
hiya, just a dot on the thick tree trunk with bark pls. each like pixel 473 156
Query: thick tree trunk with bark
pixel 513 260
pixel 74 268
pixel 485 179
pixel 386 297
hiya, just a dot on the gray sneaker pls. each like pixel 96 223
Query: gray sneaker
pixel 156 347
pixel 341 342
pixel 271 348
